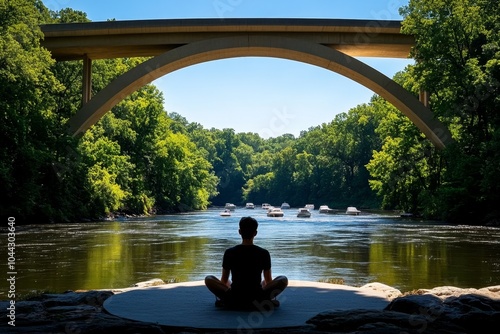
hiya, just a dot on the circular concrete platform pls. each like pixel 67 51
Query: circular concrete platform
pixel 192 305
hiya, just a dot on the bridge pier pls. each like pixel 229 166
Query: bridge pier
pixel 423 96
pixel 87 80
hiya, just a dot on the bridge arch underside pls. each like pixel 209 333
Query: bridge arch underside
pixel 263 46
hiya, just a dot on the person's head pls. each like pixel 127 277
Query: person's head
pixel 248 227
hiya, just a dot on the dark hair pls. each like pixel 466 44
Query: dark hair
pixel 248 226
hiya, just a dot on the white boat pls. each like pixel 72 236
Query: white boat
pixel 250 206
pixel 226 213
pixel 285 206
pixel 230 206
pixel 304 213
pixel 351 210
pixel 309 206
pixel 266 206
pixel 326 209
pixel 275 212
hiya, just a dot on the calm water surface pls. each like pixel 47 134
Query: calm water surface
pixel 405 254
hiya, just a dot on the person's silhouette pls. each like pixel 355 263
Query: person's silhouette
pixel 246 262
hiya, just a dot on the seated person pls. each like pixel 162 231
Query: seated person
pixel 246 262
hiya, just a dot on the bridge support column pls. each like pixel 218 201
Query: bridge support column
pixel 424 97
pixel 87 80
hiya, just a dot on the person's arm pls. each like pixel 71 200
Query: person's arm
pixel 225 277
pixel 267 272
pixel 267 277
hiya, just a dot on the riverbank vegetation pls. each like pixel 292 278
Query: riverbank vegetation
pixel 142 159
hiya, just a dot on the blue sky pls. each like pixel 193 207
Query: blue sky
pixel 267 96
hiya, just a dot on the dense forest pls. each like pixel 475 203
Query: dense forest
pixel 142 159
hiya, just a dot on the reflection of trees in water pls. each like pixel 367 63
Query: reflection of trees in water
pixel 404 261
pixel 105 255
pixel 430 263
pixel 142 256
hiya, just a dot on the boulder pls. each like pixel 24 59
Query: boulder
pixel 152 282
pixel 383 322
pixel 389 291
pixel 492 292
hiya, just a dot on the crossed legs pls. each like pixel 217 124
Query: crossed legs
pixel 216 286
pixel 273 289
pixel 276 286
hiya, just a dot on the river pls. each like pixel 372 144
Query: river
pixel 403 253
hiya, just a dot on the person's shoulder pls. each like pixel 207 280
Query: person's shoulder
pixel 232 249
pixel 261 249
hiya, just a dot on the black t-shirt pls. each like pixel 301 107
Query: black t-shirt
pixel 246 263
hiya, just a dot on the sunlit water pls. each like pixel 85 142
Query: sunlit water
pixel 405 254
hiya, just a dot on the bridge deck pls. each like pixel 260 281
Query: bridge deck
pixel 98 40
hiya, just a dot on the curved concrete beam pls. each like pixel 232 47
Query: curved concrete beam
pixel 264 46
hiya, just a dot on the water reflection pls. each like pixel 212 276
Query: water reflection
pixel 359 250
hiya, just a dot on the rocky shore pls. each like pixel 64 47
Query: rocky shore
pixel 439 310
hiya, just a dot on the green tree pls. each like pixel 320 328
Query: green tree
pixel 169 171
pixel 300 187
pixel 107 174
pixel 227 167
pixel 406 171
pixel 29 127
pixel 257 189
pixel 457 61
pixel 346 147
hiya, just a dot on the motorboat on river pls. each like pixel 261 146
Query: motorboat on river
pixel 351 210
pixel 304 213
pixel 326 209
pixel 285 206
pixel 275 212
pixel 226 213
pixel 249 206
pixel 230 206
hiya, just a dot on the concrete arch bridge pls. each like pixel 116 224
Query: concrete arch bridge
pixel 177 43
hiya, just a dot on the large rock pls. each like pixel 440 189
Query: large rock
pixel 383 322
pixel 439 310
pixel 389 291
pixel 72 313
pixel 492 292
